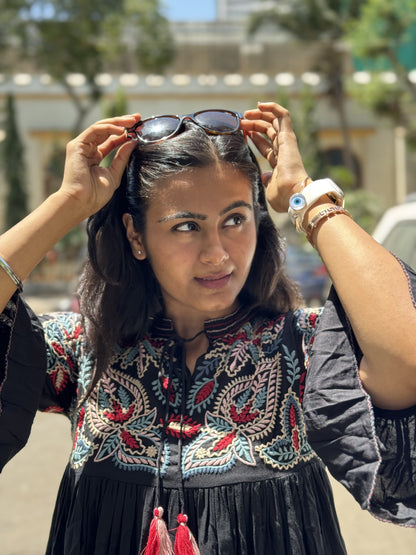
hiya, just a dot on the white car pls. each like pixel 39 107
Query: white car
pixel 396 231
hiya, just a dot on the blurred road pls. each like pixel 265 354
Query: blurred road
pixel 29 483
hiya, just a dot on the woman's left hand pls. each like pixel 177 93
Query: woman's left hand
pixel 270 128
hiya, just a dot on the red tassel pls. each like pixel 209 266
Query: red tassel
pixel 185 543
pixel 158 542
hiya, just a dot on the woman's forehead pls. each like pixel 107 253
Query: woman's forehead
pixel 211 188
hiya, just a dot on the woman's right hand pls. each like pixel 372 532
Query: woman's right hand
pixel 86 187
pixel 84 180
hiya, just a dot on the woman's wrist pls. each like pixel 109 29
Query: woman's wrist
pixel 73 210
pixel 318 214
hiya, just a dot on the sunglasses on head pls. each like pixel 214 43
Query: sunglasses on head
pixel 160 128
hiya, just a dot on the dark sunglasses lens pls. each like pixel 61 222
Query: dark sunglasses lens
pixel 158 128
pixel 218 122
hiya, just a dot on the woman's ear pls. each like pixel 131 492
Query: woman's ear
pixel 134 238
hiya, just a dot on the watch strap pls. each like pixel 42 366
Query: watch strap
pixel 300 202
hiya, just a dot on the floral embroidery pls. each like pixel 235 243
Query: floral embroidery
pixel 242 405
pixel 292 446
pixel 119 414
pixel 244 411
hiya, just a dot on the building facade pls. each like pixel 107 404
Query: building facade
pixel 217 65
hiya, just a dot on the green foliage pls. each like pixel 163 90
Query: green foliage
pixel 92 36
pixel 321 22
pixel 379 38
pixel 365 207
pixel 381 28
pixel 155 46
pixel 12 153
pixel 9 17
pixel 307 20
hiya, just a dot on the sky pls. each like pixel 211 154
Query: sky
pixel 190 10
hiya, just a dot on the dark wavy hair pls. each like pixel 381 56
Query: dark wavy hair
pixel 119 295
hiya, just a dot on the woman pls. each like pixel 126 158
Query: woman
pixel 190 372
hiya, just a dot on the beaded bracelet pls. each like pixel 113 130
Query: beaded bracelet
pixel 4 265
pixel 320 217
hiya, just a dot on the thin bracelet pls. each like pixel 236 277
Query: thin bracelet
pixel 320 217
pixel 304 183
pixel 4 265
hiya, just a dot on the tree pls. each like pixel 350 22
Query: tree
pixel 9 17
pixel 381 39
pixel 88 37
pixel 321 22
pixel 14 168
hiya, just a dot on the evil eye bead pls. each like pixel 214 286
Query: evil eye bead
pixel 297 202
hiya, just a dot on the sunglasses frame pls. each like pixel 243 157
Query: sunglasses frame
pixel 132 135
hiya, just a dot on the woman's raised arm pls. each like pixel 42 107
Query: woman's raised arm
pixel 86 187
pixel 370 282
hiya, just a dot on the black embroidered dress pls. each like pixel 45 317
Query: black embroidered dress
pixel 230 448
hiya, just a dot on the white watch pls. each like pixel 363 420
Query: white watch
pixel 299 203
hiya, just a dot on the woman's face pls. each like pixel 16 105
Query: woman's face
pixel 200 239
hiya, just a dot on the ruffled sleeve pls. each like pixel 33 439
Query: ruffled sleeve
pixel 372 452
pixel 22 375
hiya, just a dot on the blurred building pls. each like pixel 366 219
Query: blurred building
pixel 217 65
pixel 238 10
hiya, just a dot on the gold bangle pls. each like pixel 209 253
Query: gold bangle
pixel 4 265
pixel 318 219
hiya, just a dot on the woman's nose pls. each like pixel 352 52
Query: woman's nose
pixel 213 251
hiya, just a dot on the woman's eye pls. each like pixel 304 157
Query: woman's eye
pixel 186 226
pixel 235 220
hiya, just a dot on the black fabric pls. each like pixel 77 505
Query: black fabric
pixel 370 451
pixel 252 483
pixel 22 375
pixel 290 515
pixel 394 491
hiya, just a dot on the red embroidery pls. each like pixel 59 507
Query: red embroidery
pixel 231 339
pixel 57 348
pixel 189 427
pixel 224 442
pixel 204 392
pixel 244 416
pixel 118 415
pixel 79 424
pixel 129 440
pixel 312 319
pixel 295 440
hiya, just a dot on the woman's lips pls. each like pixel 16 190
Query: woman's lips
pixel 214 282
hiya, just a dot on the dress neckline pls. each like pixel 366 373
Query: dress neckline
pixel 214 328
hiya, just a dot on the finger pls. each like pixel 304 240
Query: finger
pixel 120 160
pixel 259 127
pixel 122 121
pixel 111 143
pixel 265 147
pixel 282 121
pixel 266 177
pixel 257 114
pixel 255 125
pixel 100 130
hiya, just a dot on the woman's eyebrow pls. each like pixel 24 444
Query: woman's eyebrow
pixel 183 215
pixel 196 216
pixel 236 204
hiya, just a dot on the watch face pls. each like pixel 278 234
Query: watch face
pixel 297 202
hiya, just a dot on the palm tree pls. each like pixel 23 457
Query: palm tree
pixel 322 22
